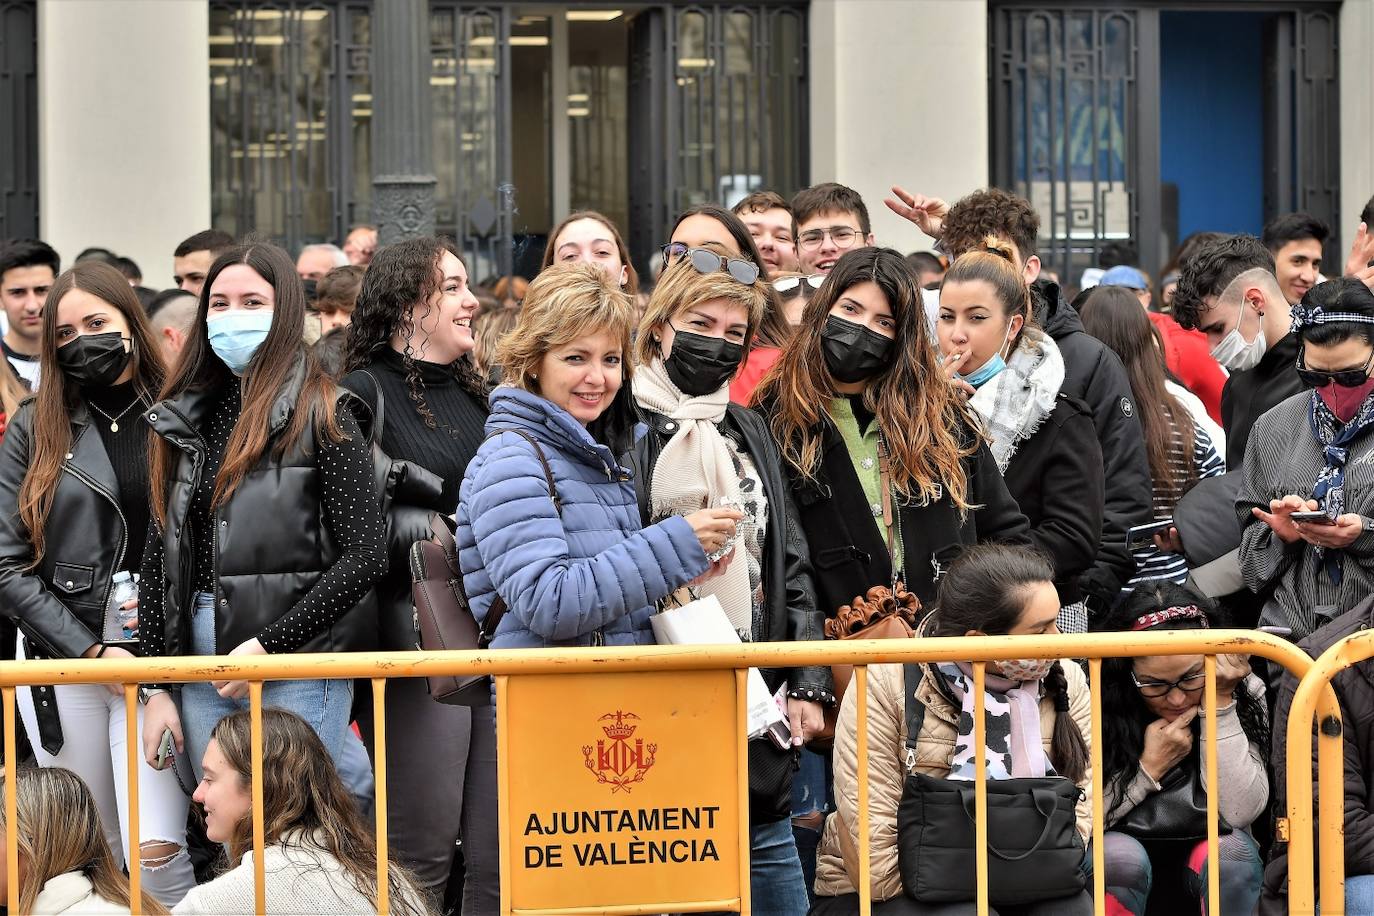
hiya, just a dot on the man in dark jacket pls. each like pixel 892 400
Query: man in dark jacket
pixel 1355 692
pixel 1092 372
pixel 1230 292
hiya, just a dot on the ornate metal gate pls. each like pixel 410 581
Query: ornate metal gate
pixel 1075 126
pixel 19 115
pixel 470 88
pixel 290 105
pixel 719 105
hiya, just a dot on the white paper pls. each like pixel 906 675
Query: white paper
pixel 703 622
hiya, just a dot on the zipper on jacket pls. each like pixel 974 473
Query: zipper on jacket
pixel 124 522
pixel 188 599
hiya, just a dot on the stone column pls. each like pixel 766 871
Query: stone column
pixel 402 145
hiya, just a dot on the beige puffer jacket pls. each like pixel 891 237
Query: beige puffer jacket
pixel 887 772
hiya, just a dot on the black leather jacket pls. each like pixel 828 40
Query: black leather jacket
pixel 787 586
pixel 60 604
pixel 274 513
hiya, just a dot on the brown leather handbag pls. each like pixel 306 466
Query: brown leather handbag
pixel 443 616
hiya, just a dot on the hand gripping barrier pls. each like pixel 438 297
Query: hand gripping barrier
pixel 1315 698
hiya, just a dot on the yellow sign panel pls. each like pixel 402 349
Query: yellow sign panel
pixel 621 791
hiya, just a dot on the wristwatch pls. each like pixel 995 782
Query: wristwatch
pixel 147 693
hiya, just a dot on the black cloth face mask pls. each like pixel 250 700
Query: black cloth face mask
pixel 700 365
pixel 94 360
pixel 853 352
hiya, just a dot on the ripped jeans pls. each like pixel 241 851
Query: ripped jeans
pixel 1131 873
pixel 94 747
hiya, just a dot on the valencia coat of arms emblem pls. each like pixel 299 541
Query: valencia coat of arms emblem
pixel 620 759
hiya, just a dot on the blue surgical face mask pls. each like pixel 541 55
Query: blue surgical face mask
pixel 235 337
pixel 990 368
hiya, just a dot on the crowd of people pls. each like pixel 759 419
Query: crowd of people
pixel 819 433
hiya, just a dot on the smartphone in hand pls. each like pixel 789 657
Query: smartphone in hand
pixel 1313 518
pixel 166 750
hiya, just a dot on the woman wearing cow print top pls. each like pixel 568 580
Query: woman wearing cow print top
pixel 267 534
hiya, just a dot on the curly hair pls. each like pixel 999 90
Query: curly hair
pixel 1125 715
pixel 1208 272
pixel 400 278
pixel 995 212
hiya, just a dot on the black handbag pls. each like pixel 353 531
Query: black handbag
pixel 1177 812
pixel 1034 850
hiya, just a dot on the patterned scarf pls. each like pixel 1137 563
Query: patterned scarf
pixel 1329 490
pixel 1013 747
pixel 1013 403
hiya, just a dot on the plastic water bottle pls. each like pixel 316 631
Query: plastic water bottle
pixel 124 591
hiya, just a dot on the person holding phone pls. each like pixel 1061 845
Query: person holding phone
pixel 1314 452
pixel 73 516
pixel 700 450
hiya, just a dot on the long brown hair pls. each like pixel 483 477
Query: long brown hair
pixel 52 408
pixel 273 363
pixel 12 391
pixel 551 249
pixel 302 792
pixel 59 831
pixel 1115 316
pixel 927 429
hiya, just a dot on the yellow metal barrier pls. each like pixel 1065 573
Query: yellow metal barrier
pixel 1314 696
pixel 1311 699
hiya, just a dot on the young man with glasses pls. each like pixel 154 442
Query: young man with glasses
pixel 830 219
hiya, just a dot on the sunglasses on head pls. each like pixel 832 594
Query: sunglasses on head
pixel 787 284
pixel 1320 378
pixel 707 261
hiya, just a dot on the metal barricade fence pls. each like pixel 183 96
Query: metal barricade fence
pixel 1315 698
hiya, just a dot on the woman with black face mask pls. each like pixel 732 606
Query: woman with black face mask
pixel 879 447
pixel 701 451
pixel 73 517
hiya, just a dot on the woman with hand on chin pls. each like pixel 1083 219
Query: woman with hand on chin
pixel 700 451
pixel 73 514
pixel 267 533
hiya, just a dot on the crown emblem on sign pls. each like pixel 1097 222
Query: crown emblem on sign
pixel 622 760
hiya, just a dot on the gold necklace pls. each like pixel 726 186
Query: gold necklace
pixel 114 421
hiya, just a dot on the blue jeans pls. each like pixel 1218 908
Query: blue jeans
pixel 1359 894
pixel 812 793
pixel 325 705
pixel 776 883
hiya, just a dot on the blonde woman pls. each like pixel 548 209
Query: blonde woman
pixel 65 865
pixel 700 450
pixel 580 570
pixel 319 855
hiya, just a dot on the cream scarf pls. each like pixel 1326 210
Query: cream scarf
pixel 695 470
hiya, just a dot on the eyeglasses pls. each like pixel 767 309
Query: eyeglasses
pixel 1320 378
pixel 842 236
pixel 787 284
pixel 1191 683
pixel 707 261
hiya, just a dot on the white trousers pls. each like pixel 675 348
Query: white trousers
pixel 94 747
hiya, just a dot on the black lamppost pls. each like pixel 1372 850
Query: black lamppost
pixel 402 146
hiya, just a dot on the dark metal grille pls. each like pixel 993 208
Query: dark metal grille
pixel 470 88
pixel 723 89
pixel 19 115
pixel 290 104
pixel 1066 127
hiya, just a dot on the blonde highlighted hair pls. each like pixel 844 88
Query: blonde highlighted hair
pixel 565 302
pixel 59 831
pixel 994 263
pixel 682 287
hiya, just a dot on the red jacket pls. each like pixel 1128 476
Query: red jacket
pixel 1189 358
pixel 756 366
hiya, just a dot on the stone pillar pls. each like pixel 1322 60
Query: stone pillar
pixel 402 145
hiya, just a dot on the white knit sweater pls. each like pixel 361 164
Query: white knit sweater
pixel 300 877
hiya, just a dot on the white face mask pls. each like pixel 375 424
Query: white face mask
pixel 1234 351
